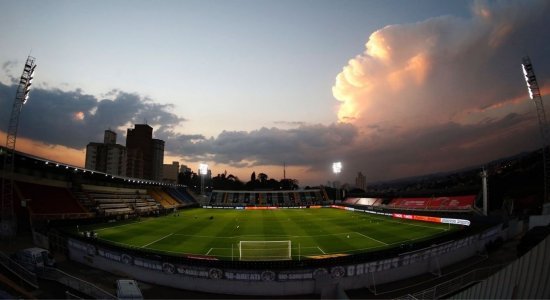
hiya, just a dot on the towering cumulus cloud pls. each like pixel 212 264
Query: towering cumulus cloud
pixel 447 76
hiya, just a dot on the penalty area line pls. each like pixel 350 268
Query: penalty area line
pixel 209 251
pixel 162 238
pixel 321 249
pixel 371 238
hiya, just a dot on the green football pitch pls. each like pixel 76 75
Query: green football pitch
pixel 311 232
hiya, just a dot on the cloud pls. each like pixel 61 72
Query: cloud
pixel 73 118
pixel 290 123
pixel 305 145
pixel 8 69
pixel 424 95
pixel 436 95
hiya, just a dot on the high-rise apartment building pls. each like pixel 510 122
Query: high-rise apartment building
pixel 158 159
pixel 170 172
pixel 361 181
pixel 108 157
pixel 145 155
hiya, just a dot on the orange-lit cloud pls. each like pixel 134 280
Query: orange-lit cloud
pixel 445 87
pixel 78 116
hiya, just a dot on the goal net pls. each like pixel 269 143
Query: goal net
pixel 265 250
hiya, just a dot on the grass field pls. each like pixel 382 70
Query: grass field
pixel 312 232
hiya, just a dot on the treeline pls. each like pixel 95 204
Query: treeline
pixel 226 181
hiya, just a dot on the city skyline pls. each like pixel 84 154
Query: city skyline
pixel 390 88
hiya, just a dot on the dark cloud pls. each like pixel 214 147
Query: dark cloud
pixel 73 119
pixel 305 146
pixel 446 147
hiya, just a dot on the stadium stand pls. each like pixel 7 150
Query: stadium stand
pixel 267 198
pixel 181 195
pixel 51 202
pixel 109 201
pixel 363 201
pixel 443 204
pixel 439 203
pixel 163 198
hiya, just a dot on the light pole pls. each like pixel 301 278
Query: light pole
pixel 8 222
pixel 336 169
pixel 203 170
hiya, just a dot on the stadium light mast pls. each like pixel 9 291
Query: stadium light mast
pixel 203 170
pixel 535 95
pixel 336 169
pixel 8 223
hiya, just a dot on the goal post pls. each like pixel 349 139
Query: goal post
pixel 265 250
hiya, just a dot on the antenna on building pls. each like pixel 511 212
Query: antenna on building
pixel 284 170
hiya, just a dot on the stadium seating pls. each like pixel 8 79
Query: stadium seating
pixel 50 202
pixel 363 201
pixel 266 198
pixel 181 195
pixel 439 203
pixel 119 201
pixel 163 198
pixel 453 203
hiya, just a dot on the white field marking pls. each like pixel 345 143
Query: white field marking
pixel 162 238
pixel 262 235
pixel 368 237
pixel 397 221
pixel 294 247
pixel 209 251
pixel 120 225
pixel 321 250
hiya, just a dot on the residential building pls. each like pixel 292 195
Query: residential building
pixel 108 157
pixel 170 172
pixel 145 155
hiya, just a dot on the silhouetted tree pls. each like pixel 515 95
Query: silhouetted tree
pixel 253 176
pixel 262 177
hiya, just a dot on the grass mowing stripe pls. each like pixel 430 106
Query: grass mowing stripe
pixel 230 226
pixel 216 232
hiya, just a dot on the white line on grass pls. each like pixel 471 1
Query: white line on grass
pixel 368 237
pixel 120 225
pixel 400 222
pixel 321 250
pixel 209 251
pixel 162 238
pixel 261 235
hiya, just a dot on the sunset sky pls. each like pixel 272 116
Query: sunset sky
pixel 390 88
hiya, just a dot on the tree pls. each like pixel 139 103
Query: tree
pixel 253 176
pixel 262 177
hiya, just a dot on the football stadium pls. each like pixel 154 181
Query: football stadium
pixel 464 221
pixel 282 243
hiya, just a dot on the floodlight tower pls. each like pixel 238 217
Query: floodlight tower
pixel 8 224
pixel 336 169
pixel 535 95
pixel 203 170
